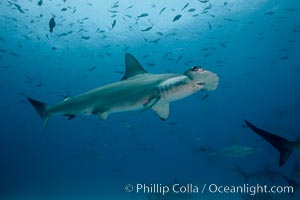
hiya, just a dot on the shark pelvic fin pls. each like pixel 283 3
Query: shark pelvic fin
pixel 42 110
pixel 162 110
pixel 103 116
pixel 280 143
pixel 133 67
pixel 100 113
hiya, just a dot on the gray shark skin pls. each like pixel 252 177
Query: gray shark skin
pixel 233 151
pixel 284 146
pixel 137 90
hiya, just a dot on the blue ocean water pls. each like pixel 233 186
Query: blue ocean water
pixel 252 45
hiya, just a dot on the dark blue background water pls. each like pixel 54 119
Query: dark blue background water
pixel 253 46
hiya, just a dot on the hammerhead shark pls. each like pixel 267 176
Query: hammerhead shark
pixel 284 146
pixel 137 90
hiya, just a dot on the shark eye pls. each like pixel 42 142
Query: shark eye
pixel 197 68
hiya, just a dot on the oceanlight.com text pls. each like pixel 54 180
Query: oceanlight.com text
pixel 208 188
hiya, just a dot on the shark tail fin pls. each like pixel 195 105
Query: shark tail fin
pixel 42 110
pixel 280 143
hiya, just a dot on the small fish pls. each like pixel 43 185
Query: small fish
pixel 177 17
pixel 284 50
pixel 155 41
pixel 170 34
pixel 29 80
pixel 160 33
pixel 207 8
pixel 40 2
pixel 227 19
pixel 119 72
pixel 145 56
pixel 85 37
pixel 115 6
pixel 191 10
pixel 129 7
pixel 225 3
pixel 184 7
pixel 222 45
pixel 205 97
pixel 65 34
pixel 166 55
pixel 142 15
pixel 179 58
pixel 147 29
pixel 284 57
pixel 113 24
pixel 151 64
pixel 203 1
pixel 20 45
pixel 64 9
pixel 92 68
pixel 51 24
pixel 290 9
pixel 13 54
pixel 209 26
pixel 296 29
pixel 162 10
pixel 260 38
pixel 19 8
pixel 113 11
pixel 171 59
pixel 74 10
pixel 39 85
pixel 269 13
pixel 2 39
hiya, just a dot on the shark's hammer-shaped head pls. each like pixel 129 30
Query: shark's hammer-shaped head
pixel 202 78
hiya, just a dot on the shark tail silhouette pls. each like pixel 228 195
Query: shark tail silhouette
pixel 42 110
pixel 280 143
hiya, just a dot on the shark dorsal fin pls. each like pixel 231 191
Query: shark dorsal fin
pixel 133 67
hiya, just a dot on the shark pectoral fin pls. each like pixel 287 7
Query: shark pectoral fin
pixel 162 110
pixel 150 103
pixel 133 67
